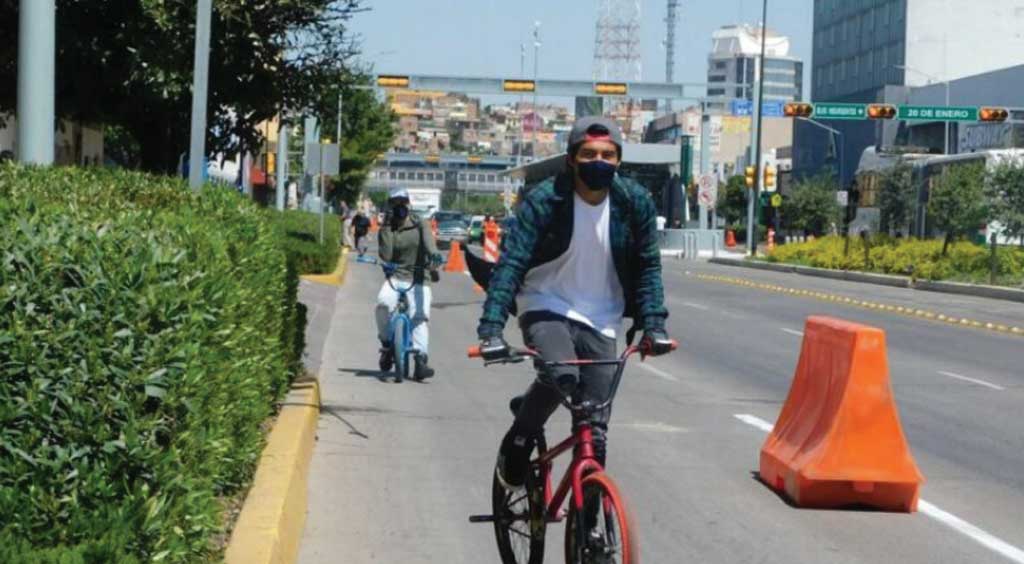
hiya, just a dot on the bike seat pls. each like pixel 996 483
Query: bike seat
pixel 515 403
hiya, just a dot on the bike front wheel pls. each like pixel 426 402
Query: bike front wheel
pixel 603 532
pixel 519 521
pixel 400 350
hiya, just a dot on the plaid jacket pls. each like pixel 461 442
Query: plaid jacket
pixel 542 231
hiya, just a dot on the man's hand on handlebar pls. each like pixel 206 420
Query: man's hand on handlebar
pixel 494 348
pixel 655 342
pixel 389 268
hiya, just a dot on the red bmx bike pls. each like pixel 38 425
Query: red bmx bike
pixel 598 524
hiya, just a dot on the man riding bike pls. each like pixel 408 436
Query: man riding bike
pixel 582 255
pixel 408 251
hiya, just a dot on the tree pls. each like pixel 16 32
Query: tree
pixel 811 205
pixel 367 130
pixel 896 196
pixel 1005 188
pixel 957 201
pixel 127 64
pixel 732 201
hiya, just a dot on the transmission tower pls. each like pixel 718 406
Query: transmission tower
pixel 670 46
pixel 617 41
pixel 670 39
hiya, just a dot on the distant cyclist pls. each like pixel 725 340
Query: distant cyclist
pixel 407 247
pixel 360 227
pixel 582 254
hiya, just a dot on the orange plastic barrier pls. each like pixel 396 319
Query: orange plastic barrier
pixel 771 239
pixel 491 248
pixel 373 223
pixel 455 261
pixel 838 440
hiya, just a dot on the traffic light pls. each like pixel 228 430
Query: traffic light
pixel 993 114
pixel 519 86
pixel 392 81
pixel 798 109
pixel 769 179
pixel 751 176
pixel 611 88
pixel 881 111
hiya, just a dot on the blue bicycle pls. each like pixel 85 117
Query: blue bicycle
pixel 403 352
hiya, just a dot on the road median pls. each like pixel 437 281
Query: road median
pixel 977 290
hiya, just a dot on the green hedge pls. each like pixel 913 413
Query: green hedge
pixel 922 259
pixel 300 232
pixel 145 335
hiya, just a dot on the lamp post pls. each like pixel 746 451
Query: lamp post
pixel 751 228
pixel 36 75
pixel 200 79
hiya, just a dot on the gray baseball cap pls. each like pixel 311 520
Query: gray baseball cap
pixel 595 127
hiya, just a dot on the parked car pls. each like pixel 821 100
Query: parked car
pixel 452 230
pixel 476 229
pixel 442 216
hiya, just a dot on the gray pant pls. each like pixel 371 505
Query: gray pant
pixel 558 338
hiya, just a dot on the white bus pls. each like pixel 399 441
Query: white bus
pixel 926 169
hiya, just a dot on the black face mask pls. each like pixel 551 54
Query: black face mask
pixel 400 212
pixel 596 175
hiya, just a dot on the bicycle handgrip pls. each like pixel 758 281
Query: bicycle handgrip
pixel 474 352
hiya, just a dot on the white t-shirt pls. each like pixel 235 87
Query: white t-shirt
pixel 581 284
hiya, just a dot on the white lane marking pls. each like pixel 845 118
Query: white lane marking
pixel 656 426
pixel 792 331
pixel 659 373
pixel 754 422
pixel 971 380
pixel 696 306
pixel 983 538
pixel 973 532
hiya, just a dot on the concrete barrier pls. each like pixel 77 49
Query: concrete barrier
pixel 270 525
pixel 980 290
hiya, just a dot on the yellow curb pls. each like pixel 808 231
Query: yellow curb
pixel 270 526
pixel 336 278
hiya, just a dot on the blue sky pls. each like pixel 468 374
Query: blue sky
pixel 482 37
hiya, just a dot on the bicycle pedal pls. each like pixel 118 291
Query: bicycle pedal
pixel 481 518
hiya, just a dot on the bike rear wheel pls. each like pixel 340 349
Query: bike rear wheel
pixel 400 349
pixel 519 521
pixel 608 538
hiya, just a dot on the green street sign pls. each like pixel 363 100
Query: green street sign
pixel 937 113
pixel 840 111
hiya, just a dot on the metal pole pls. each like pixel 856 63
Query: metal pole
pixel 36 71
pixel 200 79
pixel 310 136
pixel 522 130
pixel 337 137
pixel 536 56
pixel 705 158
pixel 321 146
pixel 282 163
pixel 759 70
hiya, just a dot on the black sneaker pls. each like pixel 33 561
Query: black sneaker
pixel 422 370
pixel 387 358
pixel 513 461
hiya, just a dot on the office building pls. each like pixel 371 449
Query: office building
pixel 733 57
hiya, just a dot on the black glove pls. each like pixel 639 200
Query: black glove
pixel 435 276
pixel 494 348
pixel 655 342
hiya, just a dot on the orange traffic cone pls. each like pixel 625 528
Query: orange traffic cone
pixel 455 261
pixel 373 223
pixel 838 440
pixel 771 239
pixel 730 238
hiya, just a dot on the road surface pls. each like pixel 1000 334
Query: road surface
pixel 399 468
